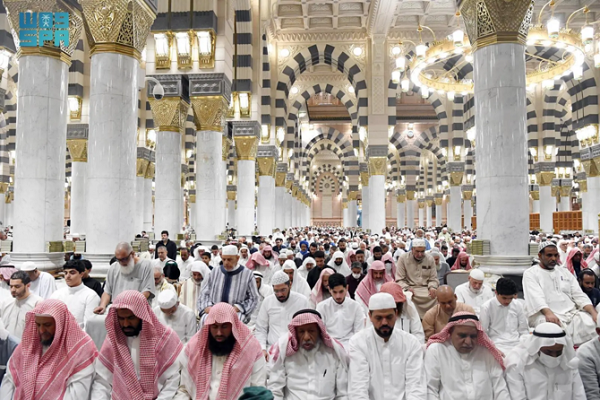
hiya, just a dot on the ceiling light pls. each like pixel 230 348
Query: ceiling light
pixel 406 83
pixel 396 50
pixel 294 90
pixel 357 51
pixel 284 52
pixel 553 28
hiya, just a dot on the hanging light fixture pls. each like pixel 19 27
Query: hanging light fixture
pixel 424 92
pixel 396 76
pixel 451 96
pixel 405 85
pixel 553 27
pixel 401 63
pixel 548 84
pixel 421 49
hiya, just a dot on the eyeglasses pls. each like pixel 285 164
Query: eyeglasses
pixel 125 259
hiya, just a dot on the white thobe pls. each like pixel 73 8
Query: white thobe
pixel 156 263
pixel 453 376
pixel 342 320
pixel 466 295
pixel 274 317
pixel 102 387
pixel 301 286
pixel 263 292
pixel 190 292
pixel 389 370
pixel 13 313
pixel 267 272
pixel 185 267
pixel 538 382
pixel 187 386
pixel 183 321
pixel 80 300
pixel 559 291
pixel 43 286
pixel 504 325
pixel 317 374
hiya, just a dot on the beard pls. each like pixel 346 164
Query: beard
pixel 385 331
pixel 128 270
pixel 223 348
pixel 284 299
pixel 131 332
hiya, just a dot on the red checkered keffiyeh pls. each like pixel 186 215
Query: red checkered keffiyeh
pixel 316 294
pixel 461 256
pixel 41 377
pixel 395 290
pixel 159 348
pixel 239 364
pixel 569 261
pixel 482 338
pixel 256 259
pixel 367 288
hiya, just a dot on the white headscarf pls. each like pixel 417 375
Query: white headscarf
pixel 200 266
pixel 299 285
pixel 302 271
pixel 341 269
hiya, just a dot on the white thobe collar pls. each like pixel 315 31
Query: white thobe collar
pixel 133 344
pixel 75 289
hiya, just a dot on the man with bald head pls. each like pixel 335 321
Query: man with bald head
pixel 436 318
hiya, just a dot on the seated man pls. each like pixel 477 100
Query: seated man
pixel 503 318
pixel 474 292
pixel 160 283
pixel 587 281
pixel 354 279
pixel 221 359
pixel 540 367
pixel 264 291
pixel 553 295
pixel 42 283
pixel 8 344
pixel 338 263
pixel 408 318
pixel 55 359
pixel 90 282
pixel 385 360
pixel 461 362
pixel 80 299
pixel 14 310
pixel 307 266
pixel 376 277
pixel 176 316
pixel 191 287
pixel 299 357
pixel 137 359
pixel 436 319
pixel 589 366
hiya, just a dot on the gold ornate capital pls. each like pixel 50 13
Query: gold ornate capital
pixel 555 191
pixel 410 195
pixel 535 195
pixel 226 145
pixel 266 166
pixel 438 201
pixel 150 171
pixel 591 167
pixel 467 195
pixel 544 178
pixel 344 204
pixel 456 178
pixel 352 195
pixel 565 191
pixel 295 191
pixel 77 149
pixel 429 203
pixel 421 204
pixel 364 178
pixel 496 21
pixel 280 179
pixel 377 165
pixel 209 113
pixel 288 184
pixel 141 167
pixel 583 186
pixel 117 26
pixel 9 197
pixel 401 198
pixel 246 147
pixel 231 195
pixel 170 113
pixel 192 199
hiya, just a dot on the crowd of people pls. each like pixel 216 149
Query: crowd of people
pixel 306 313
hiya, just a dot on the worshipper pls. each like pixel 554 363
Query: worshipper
pixel 474 292
pixel 277 311
pixel 452 259
pixel 13 312
pixel 445 236
pixel 354 279
pixel 503 317
pixel 385 363
pixel 206 257
pixel 442 267
pixel 138 357
pixel 575 262
pixel 299 284
pixel 360 257
pixel 563 250
pixel 179 317
pixel 230 283
pixel 42 283
pixel 376 277
pixel 162 258
pixel 244 255
pixel 321 290
pixel 408 318
pixel 416 271
pixel 80 299
pixel 303 249
pixel 8 344
pixel 221 359
pixel 301 354
pixel 438 316
pixel 338 263
pixel 342 316
pixel 462 262
pixel 307 264
pixel 377 255
pixel 420 235
pixel 184 263
pixel 55 359
pixel 540 367
pixel 461 362
pixel 279 247
pixel 258 263
pixel 215 255
pixel 264 291
pixel 587 280
pixel 588 355
pixel 553 295
pixel 160 283
pixel 315 273
pixel 390 265
pixel 127 273
pixel 171 272
pixel 169 244
pixel 90 282
pixel 192 287
pixel 269 255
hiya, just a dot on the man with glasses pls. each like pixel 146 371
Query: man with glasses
pixel 127 273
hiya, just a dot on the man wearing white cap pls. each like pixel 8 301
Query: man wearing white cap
pixel 244 255
pixel 230 283
pixel 474 292
pixel 42 283
pixel 175 315
pixel 385 363
pixel 589 366
pixel 264 291
pixel 541 367
pixel 277 310
pixel 191 288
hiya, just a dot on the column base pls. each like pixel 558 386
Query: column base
pixel 504 265
pixel 43 261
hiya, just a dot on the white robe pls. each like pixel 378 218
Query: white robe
pixel 263 292
pixel 389 370
pixel 102 387
pixel 455 376
pixel 190 293
pixel 274 317
pixel 504 325
pixel 13 313
pixel 342 320
pixel 187 386
pixel 43 286
pixel 80 300
pixel 185 267
pixel 183 321
pixel 317 374
pixel 464 294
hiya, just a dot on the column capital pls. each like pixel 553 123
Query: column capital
pixel 410 194
pixel 289 180
pixel 266 158
pixel 77 135
pixel 226 146
pixel 429 201
pixel 118 26
pixel 438 199
pixel 209 97
pixel 456 171
pixel 364 174
pixel 280 174
pixel 245 136
pixel 467 192
pixel 231 192
pixel 535 194
pixel 170 113
pixel 590 159
pixel 544 172
pixel 377 157
pixel 421 203
pixel 490 22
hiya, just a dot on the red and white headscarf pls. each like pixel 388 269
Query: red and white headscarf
pixel 273 253
pixel 569 262
pixel 316 294
pixel 348 255
pixel 159 348
pixel 239 364
pixel 367 288
pixel 387 257
pixel 41 377
pixel 457 265
pixel 395 290
pixel 256 259
pixel 466 318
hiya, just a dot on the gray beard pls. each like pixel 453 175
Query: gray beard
pixel 128 270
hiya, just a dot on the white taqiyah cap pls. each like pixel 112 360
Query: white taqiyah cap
pixel 279 277
pixel 382 301
pixel 548 328
pixel 477 274
pixel 167 299
pixel 28 266
pixel 418 243
pixel 230 250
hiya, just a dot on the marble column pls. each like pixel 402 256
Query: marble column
pixel 547 207
pixel 10 207
pixel 147 200
pixel 534 192
pixel 231 208
pixel 377 156
pixel 502 180
pixel 280 193
pixel 454 209
pixel 295 205
pixel 266 160
pixel 468 213
pixel 288 200
pixel 139 200
pixel 421 204
pixel 77 144
pixel 364 180
pixel 42 115
pixel 245 136
pixel 565 195
pixel 429 212
pixel 411 204
pixel 222 189
pixel 345 218
pixel 439 201
pixel 352 213
pixel 192 208
pixel 591 165
pixel 400 208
